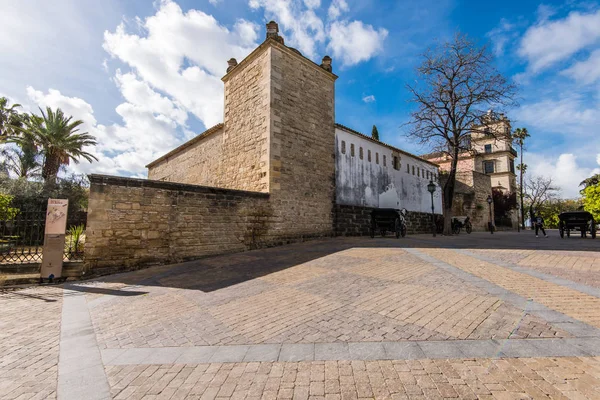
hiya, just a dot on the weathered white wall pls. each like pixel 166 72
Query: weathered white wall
pixel 362 182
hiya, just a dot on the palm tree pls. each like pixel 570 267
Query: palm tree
pixel 23 161
pixel 10 119
pixel 519 138
pixel 591 181
pixel 58 139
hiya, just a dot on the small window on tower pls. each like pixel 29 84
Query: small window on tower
pixel 369 155
pixel 343 147
pixel 407 169
pixel 427 175
pixel 377 158
pixel 352 149
pixel 396 163
pixel 488 148
pixel 384 161
pixel 488 167
pixel 360 153
pixel 413 169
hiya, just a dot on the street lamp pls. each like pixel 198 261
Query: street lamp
pixel 490 201
pixel 431 189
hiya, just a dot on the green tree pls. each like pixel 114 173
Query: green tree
pixel 591 181
pixel 22 161
pixel 519 137
pixel 591 200
pixel 6 211
pixel 10 119
pixel 58 139
pixel 375 133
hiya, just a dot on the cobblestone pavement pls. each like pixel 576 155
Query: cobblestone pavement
pixel 470 316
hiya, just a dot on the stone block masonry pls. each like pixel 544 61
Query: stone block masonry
pixel 356 221
pixel 135 222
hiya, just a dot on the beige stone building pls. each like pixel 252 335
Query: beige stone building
pixel 278 169
pixel 491 159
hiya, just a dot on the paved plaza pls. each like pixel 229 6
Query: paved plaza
pixel 503 316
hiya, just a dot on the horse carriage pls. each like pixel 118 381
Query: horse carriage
pixel 581 221
pixel 459 223
pixel 388 220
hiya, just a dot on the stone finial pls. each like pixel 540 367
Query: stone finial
pixel 232 64
pixel 326 64
pixel 273 31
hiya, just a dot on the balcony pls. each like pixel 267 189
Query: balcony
pixel 513 151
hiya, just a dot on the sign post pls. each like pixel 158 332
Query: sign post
pixel 54 238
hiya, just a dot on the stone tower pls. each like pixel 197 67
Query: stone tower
pixel 279 133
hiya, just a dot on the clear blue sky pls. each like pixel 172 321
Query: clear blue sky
pixel 145 75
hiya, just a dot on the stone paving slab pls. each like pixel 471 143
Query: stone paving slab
pixel 453 317
pixel 576 347
pixel 479 378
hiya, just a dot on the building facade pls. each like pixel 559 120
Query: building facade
pixel 491 158
pixel 278 169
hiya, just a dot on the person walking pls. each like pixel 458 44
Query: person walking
pixel 539 224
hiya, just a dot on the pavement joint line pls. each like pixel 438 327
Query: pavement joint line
pixel 565 322
pixel 81 372
pixel 362 351
pixel 580 287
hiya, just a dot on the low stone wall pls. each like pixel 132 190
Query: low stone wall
pixel 137 222
pixel 356 221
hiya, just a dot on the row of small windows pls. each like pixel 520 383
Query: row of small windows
pixel 419 172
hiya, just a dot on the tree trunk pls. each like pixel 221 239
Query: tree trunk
pixel 50 173
pixel 521 190
pixel 449 194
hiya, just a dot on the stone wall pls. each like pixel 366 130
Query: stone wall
pixel 198 163
pixel 356 221
pixel 135 222
pixel 302 174
pixel 470 198
pixel 245 157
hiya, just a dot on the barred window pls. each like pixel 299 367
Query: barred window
pixel 343 147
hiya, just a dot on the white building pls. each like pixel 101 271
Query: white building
pixel 370 173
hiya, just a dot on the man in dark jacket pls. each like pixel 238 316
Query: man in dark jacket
pixel 539 224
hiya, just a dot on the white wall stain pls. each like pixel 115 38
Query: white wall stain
pixel 367 183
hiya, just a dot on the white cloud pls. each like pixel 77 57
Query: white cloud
pixel 184 55
pixel 214 2
pixel 121 148
pixel 336 9
pixel 571 115
pixel 551 41
pixel 502 35
pixel 302 28
pixel 354 41
pixel 565 171
pixel 587 71
pixel 368 99
pixel 312 3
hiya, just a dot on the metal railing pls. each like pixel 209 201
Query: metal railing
pixel 22 236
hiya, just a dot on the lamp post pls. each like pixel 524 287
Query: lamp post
pixel 431 189
pixel 489 201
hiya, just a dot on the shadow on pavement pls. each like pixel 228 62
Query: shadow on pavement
pixel 218 272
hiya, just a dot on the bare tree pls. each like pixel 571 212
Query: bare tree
pixel 538 191
pixel 456 86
